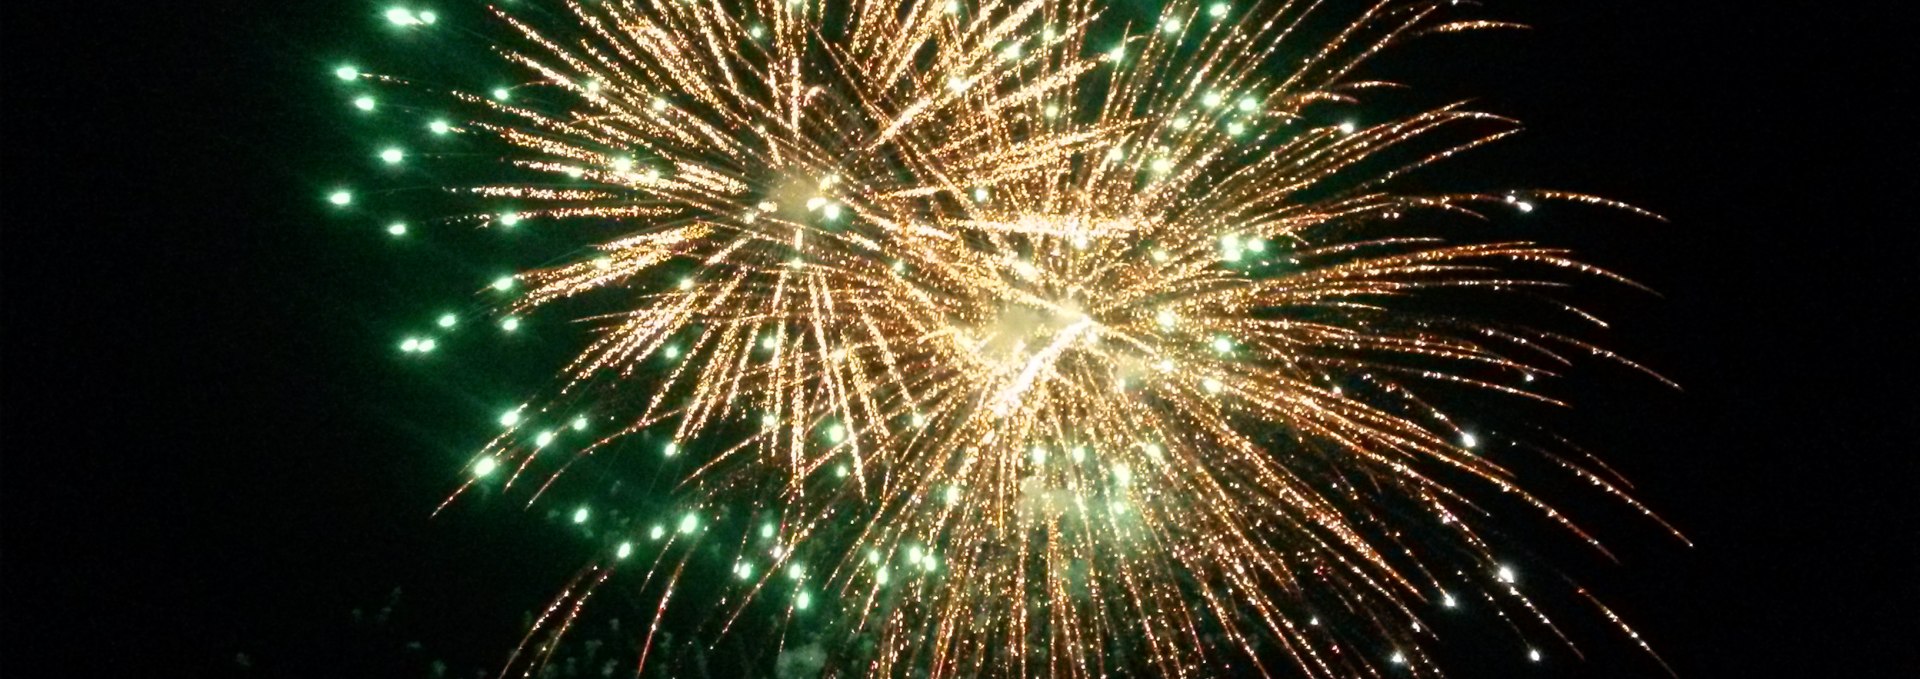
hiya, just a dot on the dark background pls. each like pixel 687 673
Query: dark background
pixel 211 449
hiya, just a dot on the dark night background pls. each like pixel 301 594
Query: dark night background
pixel 211 448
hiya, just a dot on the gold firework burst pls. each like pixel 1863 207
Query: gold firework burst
pixel 1094 330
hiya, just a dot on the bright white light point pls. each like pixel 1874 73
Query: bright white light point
pixel 686 284
pixel 1117 53
pixel 744 570
pixel 930 564
pixel 1079 453
pixel 623 164
pixel 1236 129
pixel 1039 455
pixel 545 437
pixel 1116 153
pixel 363 103
pixel 428 17
pixel 915 554
pixel 580 515
pixel 510 418
pixel 688 523
pixel 510 324
pixel 1398 658
pixel 671 449
pixel 659 104
pixel 1469 440
pixel 580 423
pixel 796 571
pixel 831 211
pixel 503 283
pixel 1162 165
pixel 340 197
pixel 401 17
pixel 1528 377
pixel 953 6
pixel 1533 654
pixel 346 73
pixel 1524 206
pixel 881 576
pixel 1256 245
pixel 769 342
pixel 1248 104
pixel 501 93
pixel 836 433
pixel 439 127
pixel 447 320
pixel 840 471
pixel 953 494
pixel 625 550
pixel 400 229
pixel 1222 345
pixel 485 466
pixel 1122 474
pixel 979 195
pixel 603 262
pixel 803 601
pixel 1182 123
pixel 410 345
pixel 1211 99
pixel 1053 111
pixel 957 84
pixel 510 219
pixel 427 345
pixel 1011 52
pixel 1447 600
pixel 766 530
pixel 656 531
pixel 1218 10
pixel 392 156
pixel 757 31
pixel 672 351
pixel 918 420
pixel 1347 127
pixel 1505 574
pixel 1153 450
pixel 1171 26
pixel 1212 385
pixel 1161 256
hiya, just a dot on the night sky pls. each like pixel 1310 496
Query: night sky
pixel 211 448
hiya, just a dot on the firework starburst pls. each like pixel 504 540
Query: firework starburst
pixel 1031 340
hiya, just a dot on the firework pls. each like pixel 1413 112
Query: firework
pixel 1016 337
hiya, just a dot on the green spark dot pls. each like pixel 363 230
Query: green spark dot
pixel 510 219
pixel 427 345
pixel 346 73
pixel 363 103
pixel 766 530
pixel 625 550
pixel 803 601
pixel 580 515
pixel 503 283
pixel 510 418
pixel 545 438
pixel 501 93
pixel 671 449
pixel 439 127
pixel 656 532
pixel 447 320
pixel 510 324
pixel 397 229
pixel 341 197
pixel 689 523
pixel 580 423
pixel 1218 10
pixel 484 467
pixel 392 156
